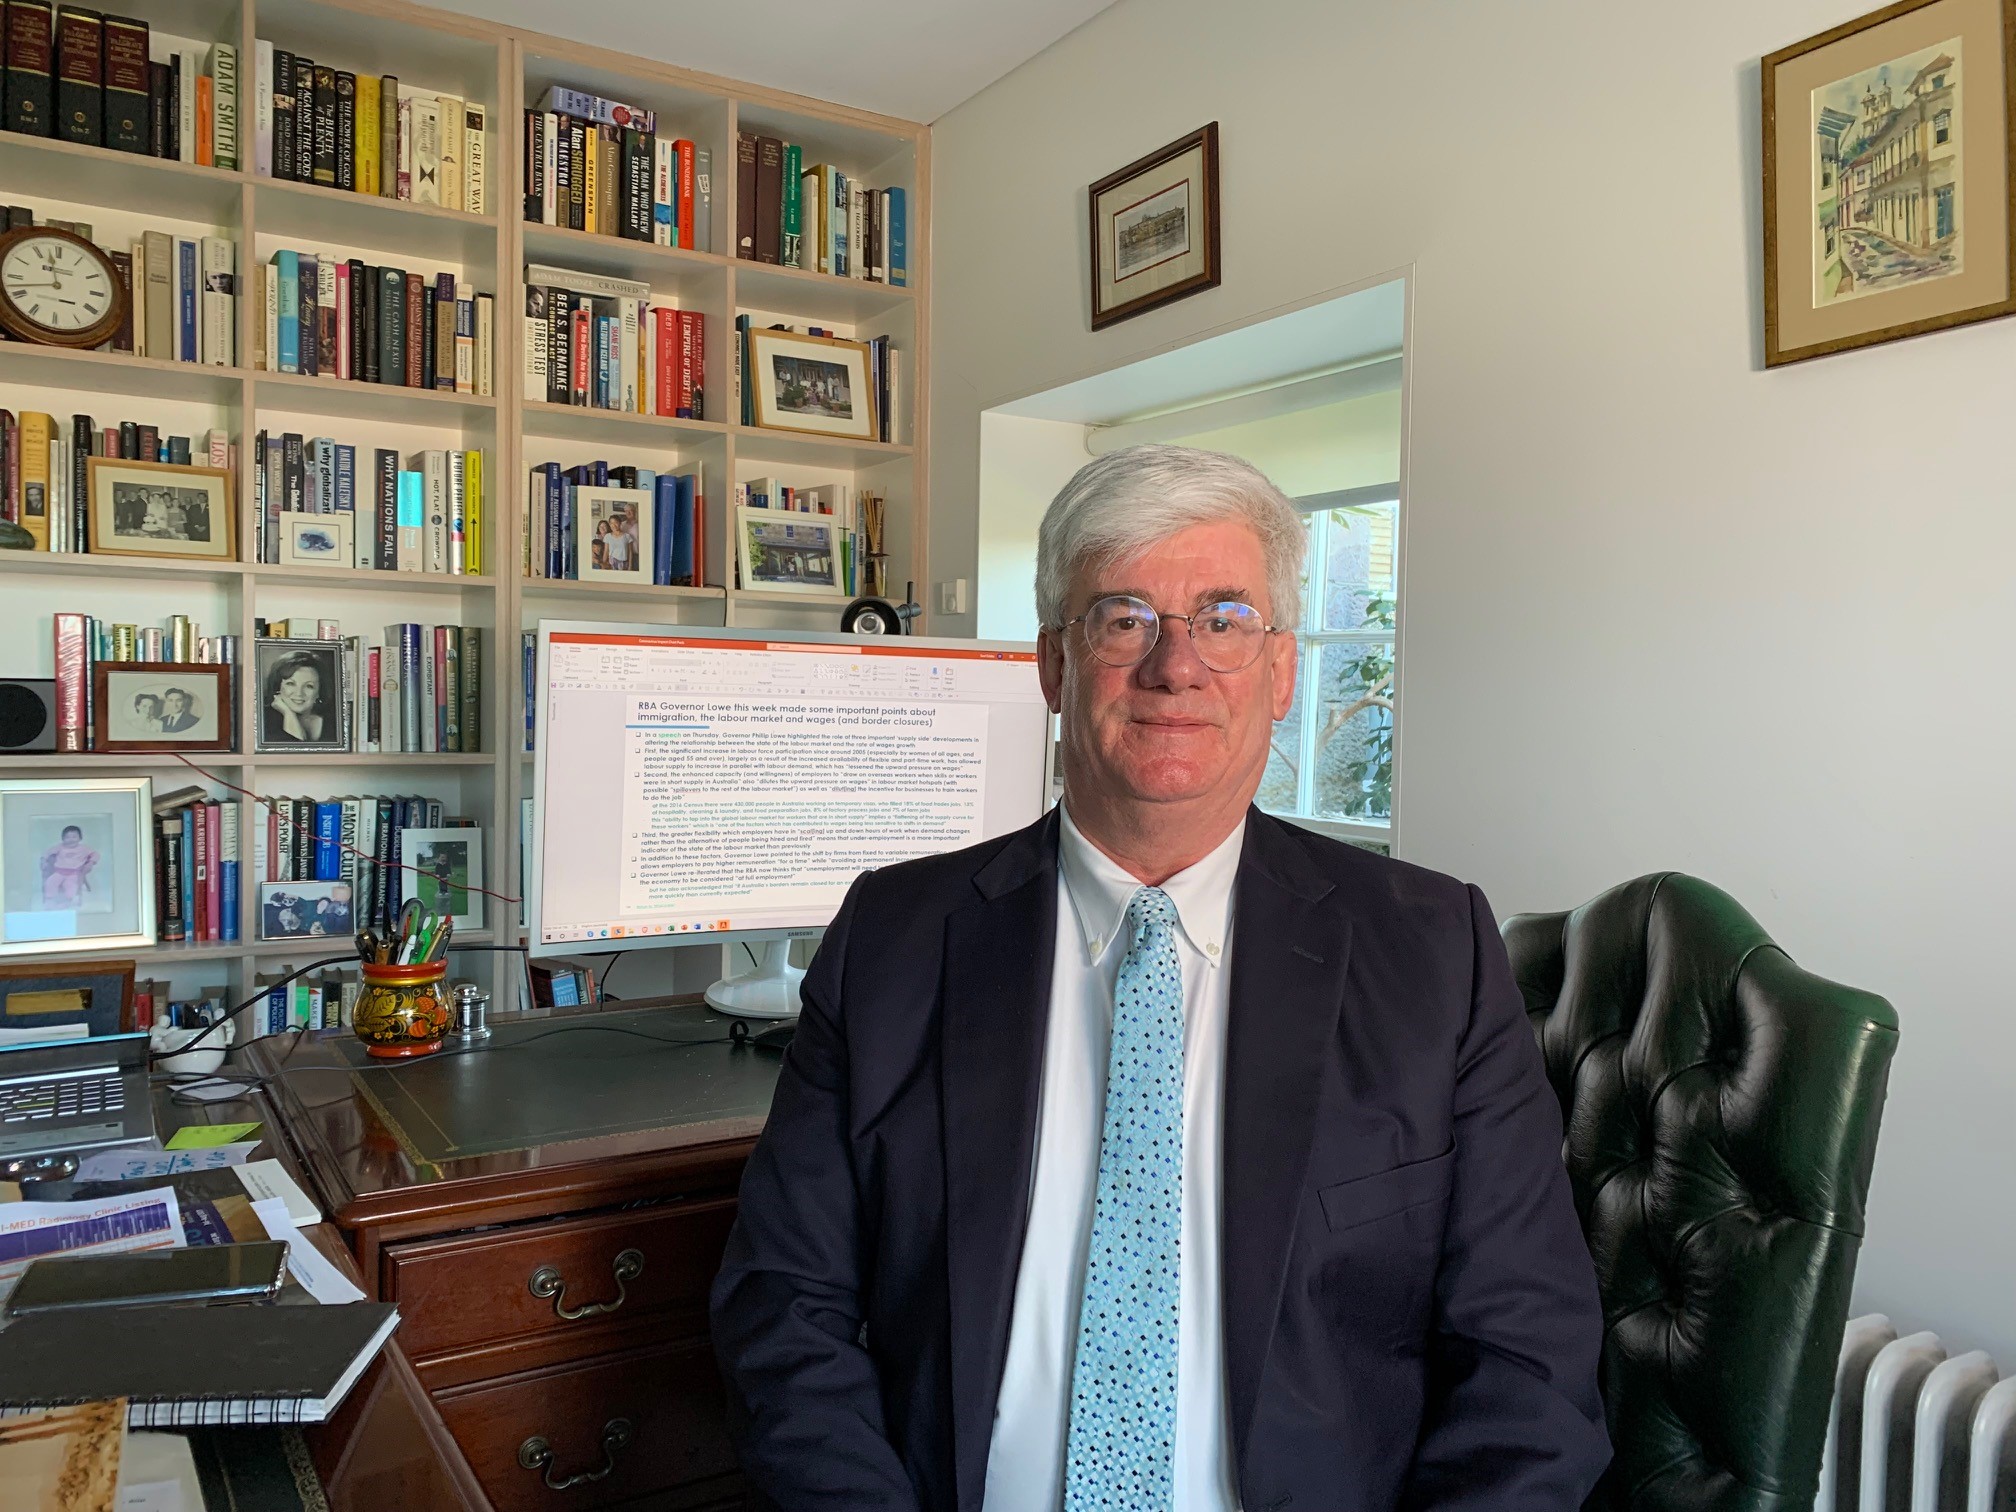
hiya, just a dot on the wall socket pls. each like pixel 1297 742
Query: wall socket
pixel 952 596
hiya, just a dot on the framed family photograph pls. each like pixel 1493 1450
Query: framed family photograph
pixel 162 706
pixel 76 864
pixel 444 871
pixel 616 543
pixel 1155 229
pixel 157 509
pixel 1888 178
pixel 317 540
pixel 306 910
pixel 815 384
pixel 301 696
pixel 783 551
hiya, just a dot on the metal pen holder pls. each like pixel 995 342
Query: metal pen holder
pixel 472 1013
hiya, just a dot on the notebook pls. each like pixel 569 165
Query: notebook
pixel 180 1366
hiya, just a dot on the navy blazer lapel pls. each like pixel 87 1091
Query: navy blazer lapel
pixel 1290 943
pixel 995 1014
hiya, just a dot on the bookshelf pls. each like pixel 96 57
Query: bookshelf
pixel 505 69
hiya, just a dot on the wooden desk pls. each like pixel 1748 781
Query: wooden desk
pixel 548 1212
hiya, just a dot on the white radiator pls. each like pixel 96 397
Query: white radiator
pixel 1914 1431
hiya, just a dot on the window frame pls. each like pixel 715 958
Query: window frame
pixel 1310 637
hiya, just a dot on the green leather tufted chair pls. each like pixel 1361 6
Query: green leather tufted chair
pixel 1721 1109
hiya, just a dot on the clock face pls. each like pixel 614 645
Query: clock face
pixel 56 284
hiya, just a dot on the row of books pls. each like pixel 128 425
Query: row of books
pixel 616 524
pixel 816 217
pixel 418 692
pixel 196 883
pixel 367 842
pixel 181 292
pixel 588 170
pixel 45 470
pixel 884 376
pixel 109 81
pixel 82 642
pixel 367 133
pixel 425 516
pixel 324 1000
pixel 600 343
pixel 331 317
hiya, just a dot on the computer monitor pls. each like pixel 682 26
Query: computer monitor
pixel 696 786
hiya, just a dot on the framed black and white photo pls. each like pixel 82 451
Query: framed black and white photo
pixel 158 509
pixel 301 696
pixel 815 384
pixel 162 706
pixel 444 871
pixel 1155 229
pixel 317 540
pixel 784 551
pixel 306 910
pixel 76 864
pixel 616 543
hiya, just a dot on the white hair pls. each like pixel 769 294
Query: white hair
pixel 1120 504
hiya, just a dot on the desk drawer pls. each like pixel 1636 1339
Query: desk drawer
pixel 648 1422
pixel 549 1278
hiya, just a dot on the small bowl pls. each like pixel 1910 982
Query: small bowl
pixel 204 1059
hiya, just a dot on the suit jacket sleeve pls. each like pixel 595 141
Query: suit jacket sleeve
pixel 804 1398
pixel 1513 1421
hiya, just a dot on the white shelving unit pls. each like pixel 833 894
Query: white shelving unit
pixel 505 69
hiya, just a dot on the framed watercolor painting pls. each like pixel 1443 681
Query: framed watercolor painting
pixel 1888 179
pixel 1155 229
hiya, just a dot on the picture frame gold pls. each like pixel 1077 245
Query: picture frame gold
pixel 1889 178
pixel 1156 221
pixel 151 509
pixel 812 385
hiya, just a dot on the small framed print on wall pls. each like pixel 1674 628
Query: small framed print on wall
pixel 1155 229
pixel 1888 178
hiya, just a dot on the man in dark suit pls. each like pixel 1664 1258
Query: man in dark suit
pixel 1162 1155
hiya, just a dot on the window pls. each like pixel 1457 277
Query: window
pixel 1332 760
pixel 1942 127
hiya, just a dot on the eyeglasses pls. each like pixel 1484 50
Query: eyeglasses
pixel 1121 630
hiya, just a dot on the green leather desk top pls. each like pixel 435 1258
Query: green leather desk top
pixel 550 1081
pixel 545 1092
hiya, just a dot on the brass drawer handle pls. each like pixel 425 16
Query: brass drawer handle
pixel 536 1454
pixel 546 1282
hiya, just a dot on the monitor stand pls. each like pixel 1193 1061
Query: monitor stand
pixel 768 992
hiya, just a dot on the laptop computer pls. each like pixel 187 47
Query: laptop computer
pixel 58 1096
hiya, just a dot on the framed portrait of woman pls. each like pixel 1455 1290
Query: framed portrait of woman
pixel 301 697
pixel 76 864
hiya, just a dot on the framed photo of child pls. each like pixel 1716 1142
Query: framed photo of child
pixel 444 870
pixel 76 864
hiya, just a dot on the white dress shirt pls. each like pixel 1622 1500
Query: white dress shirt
pixel 1025 1460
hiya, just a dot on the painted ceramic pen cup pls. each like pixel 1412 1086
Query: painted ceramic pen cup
pixel 403 1010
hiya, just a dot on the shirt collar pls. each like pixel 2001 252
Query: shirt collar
pixel 1100 890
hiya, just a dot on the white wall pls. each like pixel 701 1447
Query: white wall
pixel 1023 462
pixel 1664 609
pixel 1355 444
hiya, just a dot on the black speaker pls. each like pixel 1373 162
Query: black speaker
pixel 27 714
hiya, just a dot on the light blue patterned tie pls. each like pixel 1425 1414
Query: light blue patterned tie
pixel 1123 1381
